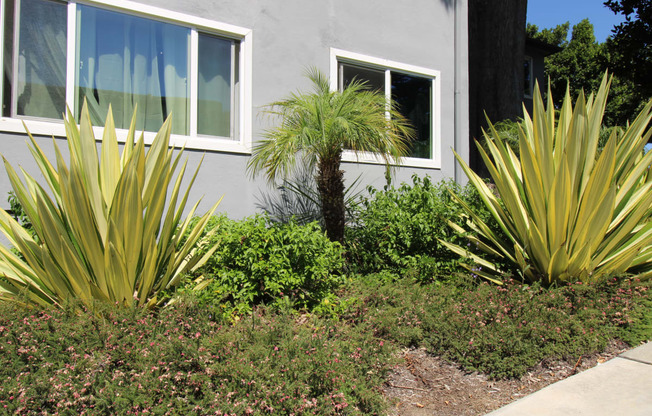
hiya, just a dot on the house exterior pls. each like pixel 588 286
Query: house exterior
pixel 214 66
pixel 534 68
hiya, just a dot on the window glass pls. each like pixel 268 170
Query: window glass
pixel 135 64
pixel 414 97
pixel 374 78
pixel 131 62
pixel 38 60
pixel 413 94
pixel 8 13
pixel 214 86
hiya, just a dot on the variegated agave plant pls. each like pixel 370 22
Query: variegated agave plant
pixel 569 211
pixel 104 233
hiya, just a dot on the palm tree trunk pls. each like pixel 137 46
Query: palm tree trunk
pixel 330 184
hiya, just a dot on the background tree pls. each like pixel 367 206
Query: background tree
pixel 580 65
pixel 319 126
pixel 630 47
pixel 496 54
pixel 556 36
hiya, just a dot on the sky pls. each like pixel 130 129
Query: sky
pixel 549 13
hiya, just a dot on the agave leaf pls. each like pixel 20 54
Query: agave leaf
pixel 127 209
pixel 110 160
pixel 98 225
pixel 44 164
pixel 558 203
pixel 632 181
pixel 481 228
pixel 150 274
pixel 570 213
pixel 533 181
pixel 558 265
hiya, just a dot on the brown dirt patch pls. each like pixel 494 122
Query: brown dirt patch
pixel 427 385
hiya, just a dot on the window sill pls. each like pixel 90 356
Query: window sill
pixel 374 159
pixel 57 129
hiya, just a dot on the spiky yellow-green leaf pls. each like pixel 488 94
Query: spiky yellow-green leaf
pixel 103 231
pixel 571 210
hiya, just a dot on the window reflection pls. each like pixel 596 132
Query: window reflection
pixel 130 62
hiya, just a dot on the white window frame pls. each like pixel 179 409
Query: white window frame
pixel 338 56
pixel 242 143
pixel 531 68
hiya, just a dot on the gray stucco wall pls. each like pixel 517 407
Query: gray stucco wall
pixel 291 35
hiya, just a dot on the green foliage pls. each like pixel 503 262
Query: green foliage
pixel 567 214
pixel 257 261
pixel 180 361
pixel 19 214
pixel 580 64
pixel 630 46
pixel 555 36
pixel 508 131
pixel 101 232
pixel 184 359
pixel 297 199
pixel 318 127
pixel 398 229
pixel 503 331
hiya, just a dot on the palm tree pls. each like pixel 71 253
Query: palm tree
pixel 318 126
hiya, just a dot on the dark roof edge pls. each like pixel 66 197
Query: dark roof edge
pixel 543 47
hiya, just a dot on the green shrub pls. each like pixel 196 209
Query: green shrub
pixel 508 131
pixel 258 261
pixel 398 228
pixel 19 214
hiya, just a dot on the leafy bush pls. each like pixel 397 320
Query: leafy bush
pixel 508 131
pixel 19 214
pixel 398 229
pixel 180 361
pixel 567 214
pixel 101 231
pixel 258 261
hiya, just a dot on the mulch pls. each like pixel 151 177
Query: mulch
pixel 424 384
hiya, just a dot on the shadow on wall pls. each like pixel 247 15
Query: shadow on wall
pixel 448 3
pixel 297 198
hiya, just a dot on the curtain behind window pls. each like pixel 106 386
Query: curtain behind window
pixel 131 62
pixel 41 47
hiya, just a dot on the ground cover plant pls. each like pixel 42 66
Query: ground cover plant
pixel 103 231
pixel 567 210
pixel 258 261
pixel 503 331
pixel 181 361
pixel 399 229
pixel 187 359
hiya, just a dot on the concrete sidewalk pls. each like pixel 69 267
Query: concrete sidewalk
pixel 621 387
